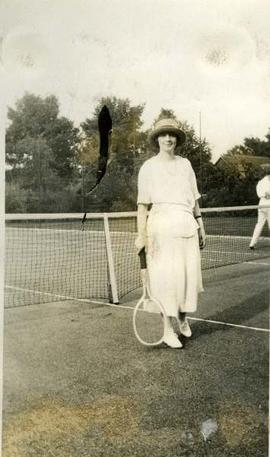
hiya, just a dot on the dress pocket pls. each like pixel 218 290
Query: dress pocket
pixel 172 224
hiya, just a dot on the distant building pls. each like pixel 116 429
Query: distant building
pixel 242 162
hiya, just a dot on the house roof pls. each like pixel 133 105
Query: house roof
pixel 237 159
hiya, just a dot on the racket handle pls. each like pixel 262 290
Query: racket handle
pixel 142 255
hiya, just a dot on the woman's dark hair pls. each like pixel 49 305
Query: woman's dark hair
pixel 156 145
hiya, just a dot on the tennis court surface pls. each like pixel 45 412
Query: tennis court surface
pixel 77 382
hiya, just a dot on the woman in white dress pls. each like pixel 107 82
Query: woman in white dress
pixel 173 232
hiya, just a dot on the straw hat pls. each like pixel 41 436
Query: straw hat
pixel 167 126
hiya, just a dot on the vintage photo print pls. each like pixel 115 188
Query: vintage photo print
pixel 135 229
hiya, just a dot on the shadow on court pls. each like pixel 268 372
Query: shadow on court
pixel 77 382
pixel 239 314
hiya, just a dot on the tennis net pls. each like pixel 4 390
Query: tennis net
pixel 49 258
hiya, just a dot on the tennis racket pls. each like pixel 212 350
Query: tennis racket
pixel 148 315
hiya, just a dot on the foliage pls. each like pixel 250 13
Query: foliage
pixel 239 150
pixel 16 198
pixel 40 152
pixel 117 191
pixel 127 137
pixel 253 146
pixel 49 160
pixel 233 186
pixel 165 113
pixel 239 171
pixel 37 118
pixel 88 150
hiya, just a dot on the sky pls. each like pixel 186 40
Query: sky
pixel 193 56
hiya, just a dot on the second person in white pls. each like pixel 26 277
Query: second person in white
pixel 263 192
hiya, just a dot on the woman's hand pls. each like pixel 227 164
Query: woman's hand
pixel 141 242
pixel 202 237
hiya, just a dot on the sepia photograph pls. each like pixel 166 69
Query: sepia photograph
pixel 135 237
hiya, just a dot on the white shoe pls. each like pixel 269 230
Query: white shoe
pixel 171 339
pixel 184 328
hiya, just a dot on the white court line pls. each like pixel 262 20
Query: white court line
pixel 222 252
pixel 253 262
pixel 230 325
pixel 67 297
pixel 228 252
pixel 64 297
pixel 85 300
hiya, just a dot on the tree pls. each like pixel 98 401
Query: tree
pixel 240 150
pixel 36 172
pixel 259 147
pixel 239 171
pixel 16 198
pixel 117 191
pixel 165 113
pixel 40 153
pixel 126 119
pixel 34 118
pixel 253 146
pixel 236 186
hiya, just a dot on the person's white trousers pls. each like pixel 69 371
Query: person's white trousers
pixel 263 216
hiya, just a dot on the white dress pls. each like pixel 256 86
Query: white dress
pixel 173 255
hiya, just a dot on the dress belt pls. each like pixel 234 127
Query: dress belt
pixel 171 206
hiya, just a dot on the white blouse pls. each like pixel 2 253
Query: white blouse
pixel 171 182
pixel 263 188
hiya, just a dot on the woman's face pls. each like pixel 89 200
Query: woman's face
pixel 167 142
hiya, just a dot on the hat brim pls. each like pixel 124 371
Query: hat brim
pixel 181 136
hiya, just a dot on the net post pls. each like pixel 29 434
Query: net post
pixel 113 293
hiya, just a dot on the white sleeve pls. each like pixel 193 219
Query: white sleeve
pixel 193 181
pixel 260 188
pixel 143 186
